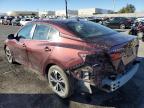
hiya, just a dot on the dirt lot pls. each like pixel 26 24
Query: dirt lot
pixel 22 88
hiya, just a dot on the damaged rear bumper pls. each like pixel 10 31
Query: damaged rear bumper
pixel 110 85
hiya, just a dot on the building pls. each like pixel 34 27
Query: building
pixel 137 14
pixel 3 14
pixel 46 13
pixel 22 13
pixel 93 11
pixel 63 13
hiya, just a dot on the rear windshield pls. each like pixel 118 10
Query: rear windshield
pixel 85 29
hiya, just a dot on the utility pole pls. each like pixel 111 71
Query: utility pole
pixel 114 5
pixel 127 2
pixel 66 8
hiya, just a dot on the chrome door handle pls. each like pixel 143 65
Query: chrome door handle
pixel 47 49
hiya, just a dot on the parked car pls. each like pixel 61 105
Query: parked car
pixel 1 20
pixel 140 28
pixel 137 28
pixel 96 20
pixel 141 19
pixel 78 18
pixel 25 21
pixel 119 23
pixel 132 18
pixel 99 20
pixel 16 22
pixel 7 20
pixel 75 52
pixel 35 18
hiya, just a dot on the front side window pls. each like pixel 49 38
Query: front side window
pixel 25 32
pixel 41 32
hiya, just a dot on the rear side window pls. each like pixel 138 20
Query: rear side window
pixel 41 32
pixel 25 32
pixel 86 29
pixel 53 33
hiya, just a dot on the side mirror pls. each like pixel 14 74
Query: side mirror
pixel 11 36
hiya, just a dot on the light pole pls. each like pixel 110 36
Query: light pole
pixel 114 5
pixel 127 2
pixel 66 8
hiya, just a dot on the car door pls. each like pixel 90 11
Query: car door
pixel 19 45
pixel 40 48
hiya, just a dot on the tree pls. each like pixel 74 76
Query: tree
pixel 128 9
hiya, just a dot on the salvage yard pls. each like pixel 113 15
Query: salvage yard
pixel 22 88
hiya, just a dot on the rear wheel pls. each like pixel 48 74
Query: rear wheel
pixel 143 38
pixel 122 26
pixel 59 81
pixel 13 24
pixel 9 55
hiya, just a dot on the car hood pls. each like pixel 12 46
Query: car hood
pixel 109 41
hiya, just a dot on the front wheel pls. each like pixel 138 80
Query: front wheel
pixel 59 81
pixel 9 55
pixel 13 24
pixel 122 26
pixel 143 39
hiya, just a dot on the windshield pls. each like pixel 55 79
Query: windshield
pixel 86 29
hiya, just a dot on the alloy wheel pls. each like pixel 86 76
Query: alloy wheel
pixel 57 82
pixel 122 26
pixel 8 55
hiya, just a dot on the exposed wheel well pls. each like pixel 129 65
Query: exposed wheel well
pixel 4 47
pixel 47 68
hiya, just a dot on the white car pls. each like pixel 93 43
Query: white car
pixel 25 21
pixel 1 21
pixel 140 19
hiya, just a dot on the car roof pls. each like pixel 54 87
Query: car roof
pixel 59 24
pixel 57 21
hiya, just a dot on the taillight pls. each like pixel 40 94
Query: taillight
pixel 116 53
pixel 116 56
pixel 83 56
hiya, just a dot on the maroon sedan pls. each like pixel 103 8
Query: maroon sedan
pixel 74 53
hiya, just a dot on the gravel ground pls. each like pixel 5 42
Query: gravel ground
pixel 22 88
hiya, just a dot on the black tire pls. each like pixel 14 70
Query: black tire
pixel 122 26
pixel 143 39
pixel 9 55
pixel 59 82
pixel 13 24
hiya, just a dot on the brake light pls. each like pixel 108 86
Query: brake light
pixel 116 56
pixel 83 56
